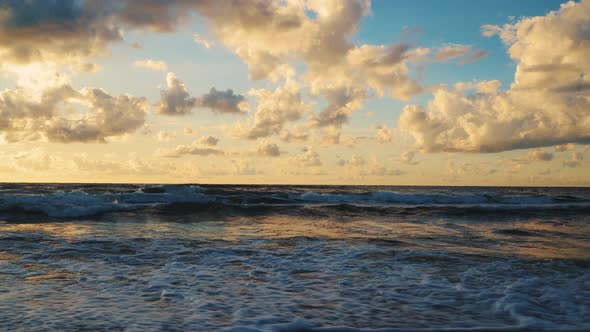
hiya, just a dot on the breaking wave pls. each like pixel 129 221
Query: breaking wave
pixel 89 201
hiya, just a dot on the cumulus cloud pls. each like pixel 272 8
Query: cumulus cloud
pixel 359 166
pixel 331 135
pixel 151 65
pixel 37 30
pixel 355 161
pixel 221 101
pixel 294 134
pixel 34 160
pixel 384 135
pixel 243 167
pixel 113 165
pixel 271 37
pixel 88 67
pixel 111 116
pixel 308 158
pixel 189 131
pixel 175 98
pixel 407 157
pixel 23 117
pixel 194 148
pixel 73 31
pixel 166 136
pixel 274 109
pixel 540 108
pixel 267 149
pixel 352 141
pixel 208 140
pixel 375 169
pixel 575 160
pixel 540 155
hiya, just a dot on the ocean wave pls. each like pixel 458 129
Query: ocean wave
pixel 423 199
pixel 174 199
pixel 79 203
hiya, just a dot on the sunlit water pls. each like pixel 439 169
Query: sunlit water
pixel 251 258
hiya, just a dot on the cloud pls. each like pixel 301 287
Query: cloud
pixel 384 135
pixel 88 67
pixel 35 78
pixel 273 37
pixel 455 51
pixel 175 99
pixel 342 102
pixel 489 30
pixel 294 134
pixel 194 148
pixel 52 117
pixel 540 155
pixel 331 135
pixel 111 116
pixel 564 147
pixel 189 131
pixel 35 160
pixel 208 140
pixel 451 52
pixel 376 169
pixel 166 136
pixel 243 167
pixel 575 160
pixel 37 30
pixel 407 157
pixel 221 101
pixel 474 57
pixel 538 110
pixel 352 141
pixel 308 158
pixel 59 25
pixel 268 149
pixel 71 32
pixel 201 41
pixel 274 109
pixel 118 166
pixel 359 166
pixel 355 161
pixel 151 65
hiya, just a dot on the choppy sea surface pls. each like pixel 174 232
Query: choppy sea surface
pixel 293 258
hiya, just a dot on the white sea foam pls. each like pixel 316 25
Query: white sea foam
pixel 161 278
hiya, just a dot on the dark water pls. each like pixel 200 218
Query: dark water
pixel 293 258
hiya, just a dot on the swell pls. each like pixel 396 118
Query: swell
pixel 58 202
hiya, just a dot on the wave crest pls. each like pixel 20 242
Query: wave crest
pixel 84 201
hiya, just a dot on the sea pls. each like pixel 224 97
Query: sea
pixel 247 258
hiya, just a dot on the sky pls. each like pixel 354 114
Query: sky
pixel 295 92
